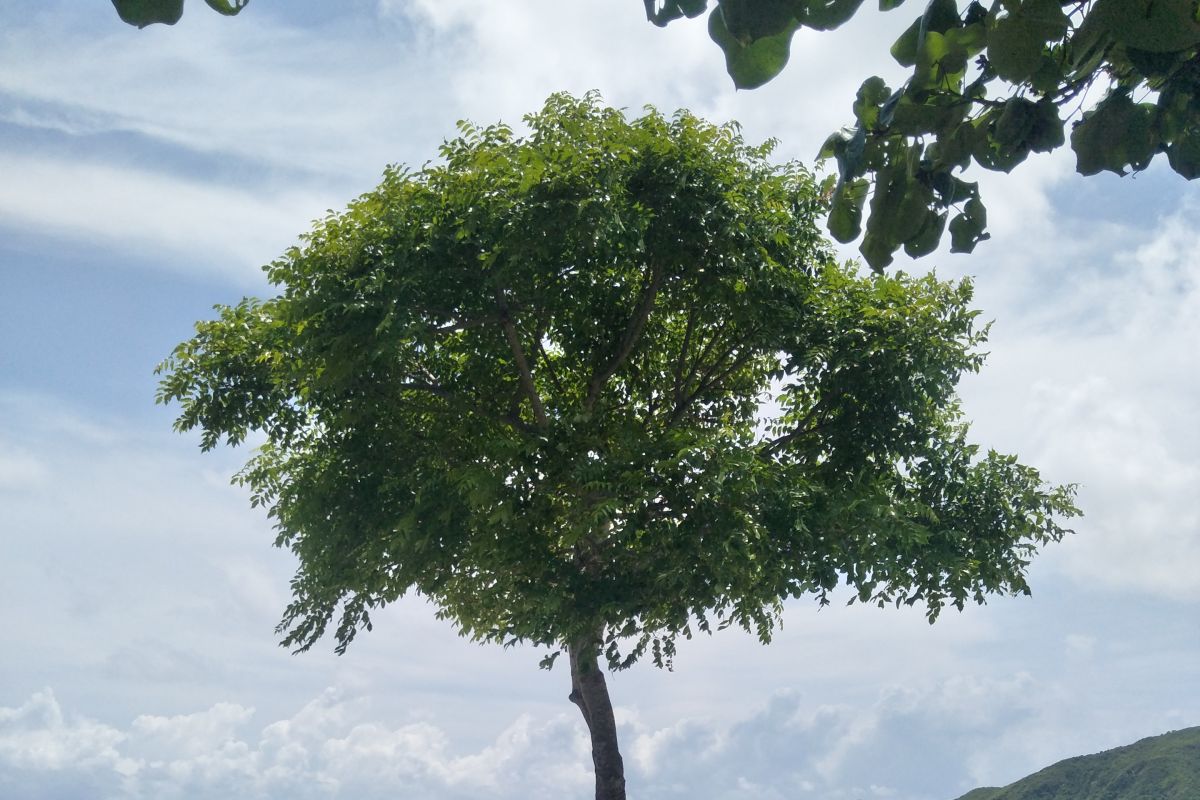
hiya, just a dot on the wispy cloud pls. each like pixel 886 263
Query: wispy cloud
pixel 182 224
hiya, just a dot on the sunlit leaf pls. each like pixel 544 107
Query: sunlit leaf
pixel 754 63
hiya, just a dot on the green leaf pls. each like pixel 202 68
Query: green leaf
pixel 1115 134
pixel 751 20
pixel 1157 26
pixel 967 228
pixel 1047 132
pixel 911 118
pixel 971 38
pixel 147 12
pixel 904 49
pixel 870 96
pixel 954 149
pixel 1048 77
pixel 1015 122
pixel 1025 125
pixel 928 237
pixel 229 8
pixel 899 211
pixel 1015 42
pixel 845 212
pixel 851 159
pixel 940 16
pixel 1184 154
pixel 834 143
pixel 825 15
pixel 752 64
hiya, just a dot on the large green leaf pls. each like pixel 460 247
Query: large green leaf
pixel 928 237
pixel 1015 41
pixel 824 15
pixel 1157 26
pixel 904 49
pixel 1184 154
pixel 899 213
pixel 1118 133
pixel 750 64
pixel 147 12
pixel 967 228
pixel 845 212
pixel 751 20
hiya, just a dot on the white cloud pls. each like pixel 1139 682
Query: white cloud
pixel 923 742
pixel 1096 383
pixel 37 736
pixel 20 468
pixel 327 749
pixel 189 224
pixel 246 89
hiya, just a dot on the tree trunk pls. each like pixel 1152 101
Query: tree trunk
pixel 590 692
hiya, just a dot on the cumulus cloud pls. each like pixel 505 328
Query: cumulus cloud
pixel 925 742
pixel 329 748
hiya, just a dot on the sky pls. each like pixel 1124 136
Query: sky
pixel 146 176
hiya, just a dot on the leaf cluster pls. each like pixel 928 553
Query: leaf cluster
pixel 990 84
pixel 606 376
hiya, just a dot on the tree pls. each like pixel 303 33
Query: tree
pixel 601 387
pixel 989 85
pixel 147 12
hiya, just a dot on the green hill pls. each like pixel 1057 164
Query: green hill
pixel 1163 767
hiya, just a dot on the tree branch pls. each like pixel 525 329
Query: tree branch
pixel 437 390
pixel 803 427
pixel 524 373
pixel 711 378
pixel 695 365
pixel 465 325
pixel 683 351
pixel 633 330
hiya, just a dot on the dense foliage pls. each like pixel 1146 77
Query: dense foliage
pixel 990 84
pixel 528 384
pixel 1163 767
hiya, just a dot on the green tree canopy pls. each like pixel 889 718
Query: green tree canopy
pixel 989 85
pixel 599 387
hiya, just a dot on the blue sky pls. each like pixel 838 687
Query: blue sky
pixel 147 175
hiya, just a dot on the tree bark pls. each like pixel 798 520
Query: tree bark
pixel 590 692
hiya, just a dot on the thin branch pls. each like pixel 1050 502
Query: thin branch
pixel 549 367
pixel 466 325
pixel 803 427
pixel 633 331
pixel 708 347
pixel 525 375
pixel 458 398
pixel 683 350
pixel 711 378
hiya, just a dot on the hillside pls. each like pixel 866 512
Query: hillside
pixel 1163 767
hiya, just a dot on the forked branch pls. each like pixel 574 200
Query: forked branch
pixel 633 331
pixel 524 374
